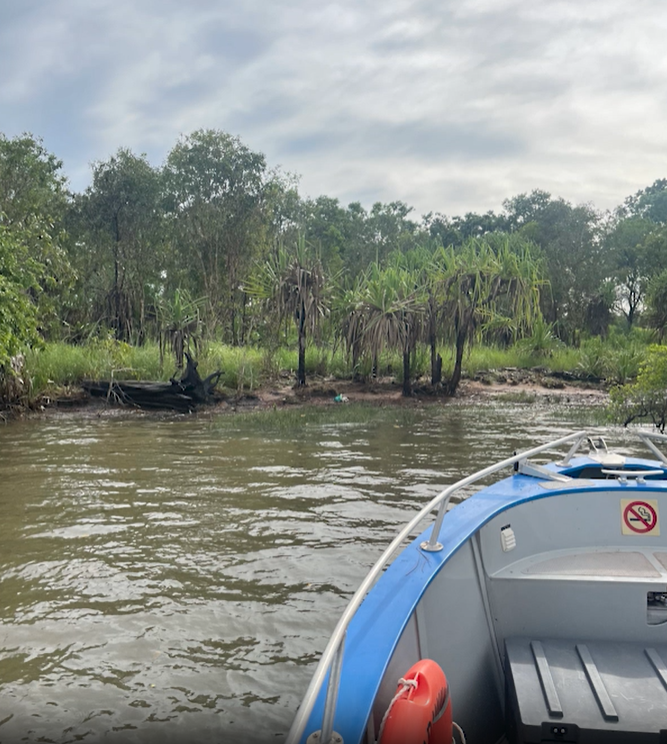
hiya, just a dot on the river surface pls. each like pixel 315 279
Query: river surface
pixel 174 579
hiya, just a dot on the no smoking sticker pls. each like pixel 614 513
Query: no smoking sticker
pixel 639 517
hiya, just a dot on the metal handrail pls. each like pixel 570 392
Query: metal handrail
pixel 572 451
pixel 647 436
pixel 333 653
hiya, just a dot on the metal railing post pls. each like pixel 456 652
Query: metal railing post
pixel 566 460
pixel 332 695
pixel 432 545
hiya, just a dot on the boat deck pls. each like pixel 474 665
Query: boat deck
pixel 609 689
pixel 543 598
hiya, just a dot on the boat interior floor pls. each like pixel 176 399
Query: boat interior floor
pixel 607 688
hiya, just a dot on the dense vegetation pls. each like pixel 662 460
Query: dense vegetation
pixel 646 397
pixel 217 250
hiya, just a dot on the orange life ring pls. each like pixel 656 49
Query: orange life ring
pixel 421 714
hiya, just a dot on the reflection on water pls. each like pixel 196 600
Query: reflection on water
pixel 174 579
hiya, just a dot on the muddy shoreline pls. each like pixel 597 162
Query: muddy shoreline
pixel 512 385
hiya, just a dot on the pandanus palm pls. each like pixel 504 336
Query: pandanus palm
pixel 422 262
pixel 348 319
pixel 387 313
pixel 489 281
pixel 292 286
pixel 180 324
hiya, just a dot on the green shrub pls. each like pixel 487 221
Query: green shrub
pixel 542 342
pixel 624 364
pixel 564 359
pixel 594 359
pixel 480 358
pixel 646 398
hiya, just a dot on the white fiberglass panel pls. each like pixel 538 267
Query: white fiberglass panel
pixel 618 563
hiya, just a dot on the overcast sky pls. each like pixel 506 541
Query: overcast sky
pixel 448 105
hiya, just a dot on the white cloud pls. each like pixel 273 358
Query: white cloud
pixel 449 106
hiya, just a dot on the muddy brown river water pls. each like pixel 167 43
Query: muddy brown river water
pixel 173 579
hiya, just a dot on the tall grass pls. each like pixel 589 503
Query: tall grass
pixel 245 368
pixel 241 367
pixel 59 364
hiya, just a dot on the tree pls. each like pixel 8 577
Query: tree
pixel 33 207
pixel 575 260
pixel 442 229
pixel 473 225
pixel 656 303
pixel 180 325
pixel 120 252
pixel 390 230
pixel 327 225
pixel 353 238
pixel 631 262
pixel 423 263
pixel 292 286
pixel 649 203
pixel 216 195
pixel 32 188
pixel 523 209
pixel 600 308
pixel 19 280
pixel 357 249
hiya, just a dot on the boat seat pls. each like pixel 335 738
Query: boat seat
pixel 582 593
pixel 638 564
pixel 620 564
pixel 588 692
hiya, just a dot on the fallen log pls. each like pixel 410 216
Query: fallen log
pixel 183 394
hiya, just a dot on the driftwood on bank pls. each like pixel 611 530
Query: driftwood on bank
pixel 183 395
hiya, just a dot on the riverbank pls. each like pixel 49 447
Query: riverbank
pixel 250 377
pixel 537 386
pixel 388 393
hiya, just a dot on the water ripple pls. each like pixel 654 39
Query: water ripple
pixel 174 579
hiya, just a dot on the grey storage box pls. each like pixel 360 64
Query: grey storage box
pixel 585 692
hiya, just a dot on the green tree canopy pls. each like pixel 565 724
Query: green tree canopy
pixel 575 261
pixel 629 261
pixel 120 253
pixel 649 203
pixel 656 303
pixel 216 191
pixel 33 208
pixel 487 281
pixel 386 311
pixel 646 397
pixel 21 276
pixel 32 188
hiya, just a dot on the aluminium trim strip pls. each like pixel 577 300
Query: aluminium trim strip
pixel 546 680
pixel 595 680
